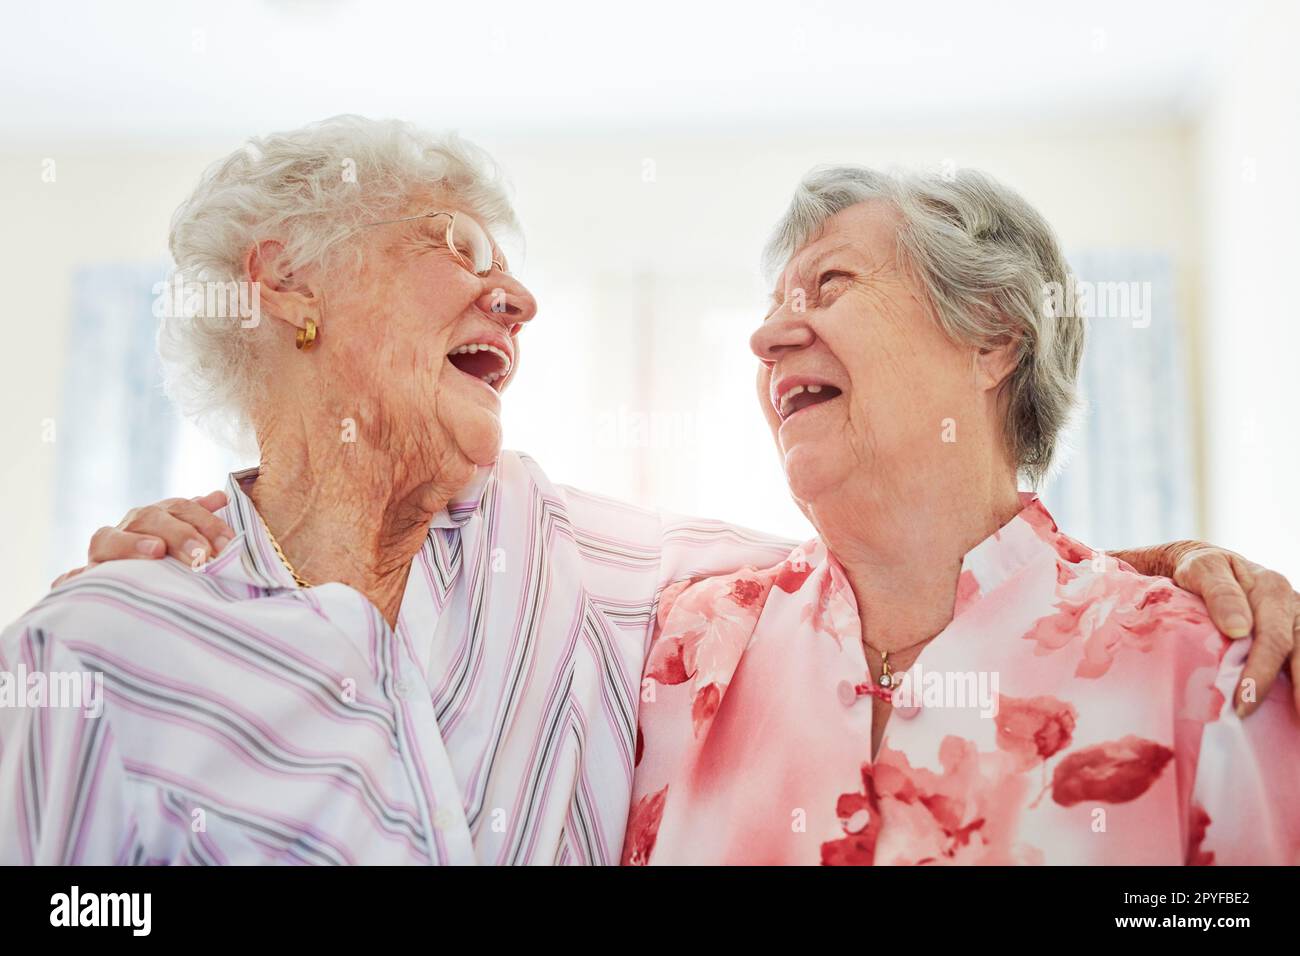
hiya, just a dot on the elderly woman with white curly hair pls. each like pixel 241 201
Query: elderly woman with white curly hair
pixel 248 715
pixel 941 676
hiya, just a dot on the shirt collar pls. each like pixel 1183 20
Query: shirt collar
pixel 468 501
pixel 1029 537
pixel 251 558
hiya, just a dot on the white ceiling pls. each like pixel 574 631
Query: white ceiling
pixel 164 70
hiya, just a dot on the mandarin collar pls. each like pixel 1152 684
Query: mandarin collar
pixel 1028 537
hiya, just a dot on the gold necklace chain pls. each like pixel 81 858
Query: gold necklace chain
pixel 298 578
pixel 888 680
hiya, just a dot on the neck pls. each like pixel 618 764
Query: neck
pixel 902 547
pixel 346 512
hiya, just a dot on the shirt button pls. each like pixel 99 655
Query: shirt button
pixel 403 687
pixel 908 712
pixel 847 694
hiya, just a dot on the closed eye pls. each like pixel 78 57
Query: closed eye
pixel 824 278
pixel 430 238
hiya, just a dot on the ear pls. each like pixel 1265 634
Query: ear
pixel 995 362
pixel 283 296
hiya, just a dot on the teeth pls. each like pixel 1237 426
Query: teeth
pixel 789 397
pixel 483 347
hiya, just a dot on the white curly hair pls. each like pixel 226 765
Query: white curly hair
pixel 308 188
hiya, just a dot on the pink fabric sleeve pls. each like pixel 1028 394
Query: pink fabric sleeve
pixel 1245 807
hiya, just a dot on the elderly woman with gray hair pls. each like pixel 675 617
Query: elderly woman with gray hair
pixel 942 676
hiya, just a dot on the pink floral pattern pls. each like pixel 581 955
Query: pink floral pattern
pixel 712 621
pixel 643 828
pixel 1114 772
pixel 1103 734
pixel 1035 729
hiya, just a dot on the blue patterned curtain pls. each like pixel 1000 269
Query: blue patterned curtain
pixel 1128 477
pixel 116 429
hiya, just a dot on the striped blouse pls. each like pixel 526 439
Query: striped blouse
pixel 155 713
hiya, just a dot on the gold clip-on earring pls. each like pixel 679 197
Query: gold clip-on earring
pixel 306 338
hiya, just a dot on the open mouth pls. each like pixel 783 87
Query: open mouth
pixel 804 396
pixel 487 363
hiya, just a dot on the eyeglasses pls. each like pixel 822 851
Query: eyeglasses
pixel 464 237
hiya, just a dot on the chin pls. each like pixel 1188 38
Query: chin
pixel 481 441
pixel 810 472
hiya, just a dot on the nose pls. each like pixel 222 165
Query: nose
pixel 785 331
pixel 507 300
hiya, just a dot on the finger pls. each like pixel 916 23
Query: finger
pixel 1270 600
pixel 213 500
pixel 65 576
pixel 114 544
pixel 200 517
pixel 182 539
pixel 1295 660
pixel 1216 579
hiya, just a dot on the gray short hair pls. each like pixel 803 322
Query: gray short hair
pixel 309 188
pixel 985 258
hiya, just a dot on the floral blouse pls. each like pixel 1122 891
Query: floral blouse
pixel 1072 712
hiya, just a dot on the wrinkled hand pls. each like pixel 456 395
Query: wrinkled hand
pixel 1244 598
pixel 175 526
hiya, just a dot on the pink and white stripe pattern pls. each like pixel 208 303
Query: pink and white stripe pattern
pixel 247 720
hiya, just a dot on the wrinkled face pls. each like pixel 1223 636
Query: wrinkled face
pixel 856 379
pixel 420 347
